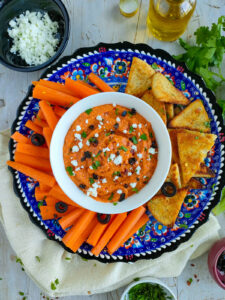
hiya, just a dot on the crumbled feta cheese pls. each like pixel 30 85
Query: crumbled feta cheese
pixel 152 150
pixel 118 119
pixel 34 37
pixel 112 156
pixel 90 167
pixel 78 128
pixel 140 125
pixel 134 125
pixel 139 155
pixel 114 104
pixel 115 178
pixel 96 135
pixel 133 184
pixel 86 121
pixel 101 123
pixel 124 131
pixel 133 147
pixel 75 149
pixel 129 174
pixel 105 149
pixel 77 169
pixel 99 118
pixel 119 191
pixel 74 163
pixel 99 126
pixel 118 145
pixel 80 144
pixel 104 180
pixel 92 192
pixel 138 169
pixel 88 143
pixel 78 136
pixel 82 167
pixel 118 160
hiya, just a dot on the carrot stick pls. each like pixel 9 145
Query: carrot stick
pixel 98 231
pixel 38 194
pixel 84 235
pixel 53 96
pixel 87 85
pixel 53 85
pixel 59 194
pixel 59 111
pixel 49 114
pixel 70 219
pixel 29 124
pixel 40 115
pixel 47 133
pixel 18 137
pixel 44 187
pixel 31 161
pixel 109 233
pixel 78 228
pixel 141 222
pixel 125 228
pixel 49 212
pixel 33 173
pixel 104 87
pixel 40 123
pixel 78 89
pixel 33 150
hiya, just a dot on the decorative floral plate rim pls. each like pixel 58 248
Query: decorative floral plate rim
pixel 168 59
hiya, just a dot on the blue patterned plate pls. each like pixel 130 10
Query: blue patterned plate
pixel 112 63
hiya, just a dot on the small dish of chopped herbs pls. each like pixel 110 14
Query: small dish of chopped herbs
pixel 148 289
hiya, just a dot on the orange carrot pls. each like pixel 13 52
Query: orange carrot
pixel 53 85
pixel 47 133
pixel 38 194
pixel 84 235
pixel 33 173
pixel 53 96
pixel 78 228
pixel 57 192
pixel 109 233
pixel 87 85
pixel 141 222
pixel 49 212
pixel 40 123
pixel 125 228
pixel 49 114
pixel 34 127
pixel 40 115
pixel 70 219
pixel 18 137
pixel 31 161
pixel 33 150
pixel 79 89
pixel 104 87
pixel 59 111
pixel 44 187
pixel 98 231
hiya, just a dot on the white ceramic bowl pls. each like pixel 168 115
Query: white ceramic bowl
pixel 167 290
pixel 164 153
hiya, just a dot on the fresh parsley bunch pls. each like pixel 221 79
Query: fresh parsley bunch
pixel 205 58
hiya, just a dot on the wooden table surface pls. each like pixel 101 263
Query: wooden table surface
pixel 94 21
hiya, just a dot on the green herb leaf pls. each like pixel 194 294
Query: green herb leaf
pixel 123 148
pixel 18 260
pixel 207 124
pixel 88 111
pixel 131 129
pixel 134 140
pixel 97 163
pixel 57 281
pixel 105 154
pixel 135 190
pixel 21 293
pixel 40 203
pixel 84 134
pixel 84 259
pixel 116 173
pixel 67 258
pixel 150 134
pixel 91 180
pixel 99 152
pixel 115 203
pixel 38 258
pixel 53 287
pixel 197 137
pixel 69 170
pixel 117 111
pixel 136 279
pixel 143 137
pixel 111 196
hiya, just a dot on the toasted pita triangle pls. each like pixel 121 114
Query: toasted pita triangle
pixel 195 184
pixel 164 91
pixel 166 209
pixel 158 106
pixel 173 138
pixel 204 171
pixel 193 117
pixel 169 111
pixel 139 79
pixel 174 175
pixel 192 148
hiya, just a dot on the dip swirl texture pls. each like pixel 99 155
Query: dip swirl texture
pixel 110 152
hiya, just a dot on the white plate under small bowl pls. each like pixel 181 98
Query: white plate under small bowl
pixel 151 280
pixel 162 139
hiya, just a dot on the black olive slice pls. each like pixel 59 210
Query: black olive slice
pixel 103 218
pixel 82 186
pixel 122 197
pixel 37 139
pixel 168 189
pixel 61 207
pixel 124 113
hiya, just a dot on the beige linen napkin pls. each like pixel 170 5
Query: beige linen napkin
pixel 76 276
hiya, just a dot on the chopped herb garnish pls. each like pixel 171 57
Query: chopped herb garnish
pixel 108 133
pixel 123 148
pixel 116 173
pixel 207 124
pixel 95 265
pixel 88 111
pixel 146 290
pixel 21 293
pixel 53 287
pixel 135 190
pixel 197 137
pixel 117 111
pixel 105 154
pixel 40 203
pixel 150 134
pixel 57 281
pixel 115 203
pixel 68 258
pixel 146 149
pixel 96 164
pixel 131 129
pixel 84 259
pixel 91 180
pixel 84 134
pixel 37 258
pixel 134 140
pixel 18 260
pixel 111 196
pixel 143 137
pixel 69 170
pixel 136 279
pixel 99 152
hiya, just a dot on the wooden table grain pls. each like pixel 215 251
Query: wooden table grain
pixel 94 21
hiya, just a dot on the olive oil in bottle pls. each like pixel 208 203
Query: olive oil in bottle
pixel 168 19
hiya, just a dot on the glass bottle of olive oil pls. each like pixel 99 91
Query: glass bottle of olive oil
pixel 168 19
